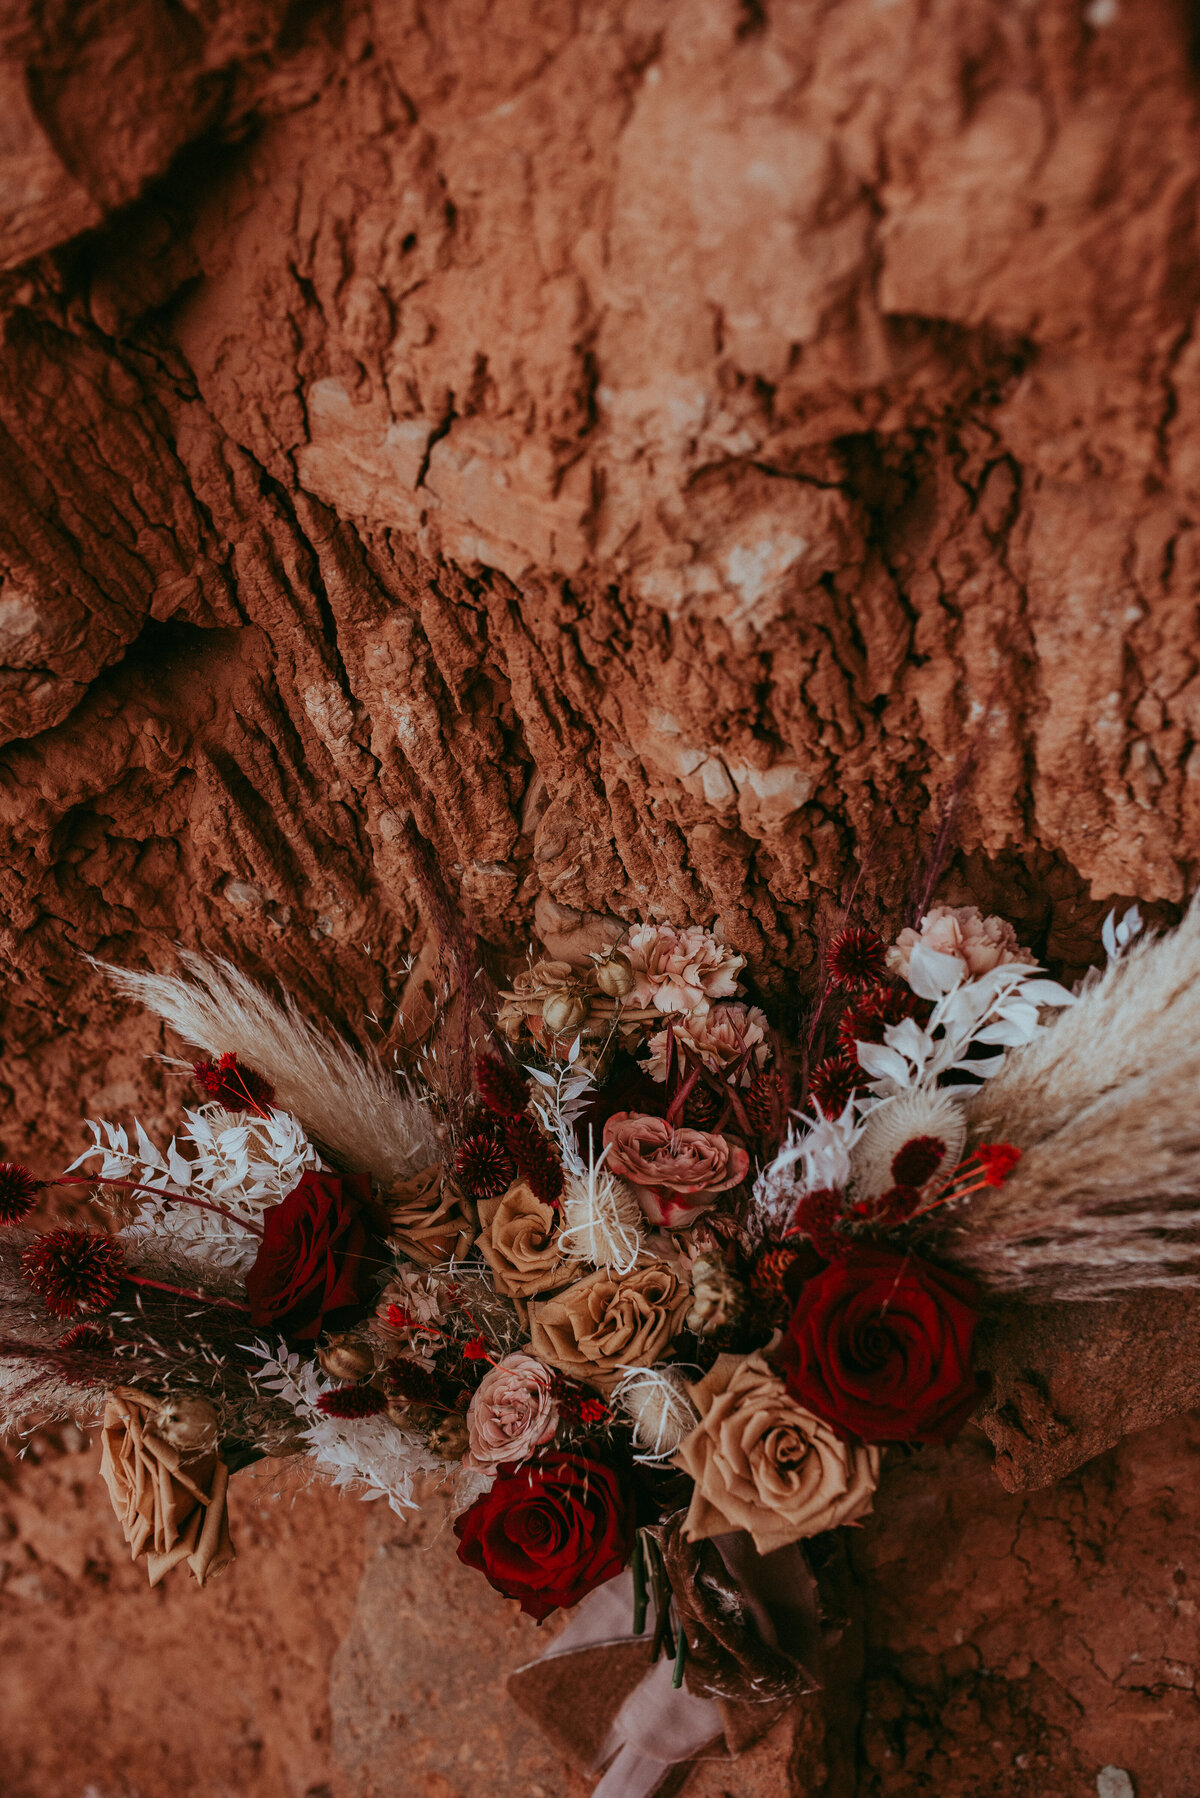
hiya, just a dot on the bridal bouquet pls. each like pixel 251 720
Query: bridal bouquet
pixel 645 1288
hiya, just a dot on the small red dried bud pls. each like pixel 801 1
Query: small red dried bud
pixel 857 957
pixel 502 1089
pixel 917 1160
pixel 18 1192
pixel 74 1270
pixel 88 1338
pixel 477 1349
pixel 593 1410
pixel 997 1161
pixel 352 1401
pixel 484 1166
pixel 234 1087
pixel 816 1216
pixel 834 1083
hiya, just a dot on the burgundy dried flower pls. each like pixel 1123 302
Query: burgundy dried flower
pixel 410 1380
pixel 768 1279
pixel 893 1207
pixel 816 1217
pixel 857 957
pixel 866 1017
pixel 74 1270
pixel 766 1102
pixel 484 1166
pixel 477 1349
pixel 352 1401
pixel 502 1089
pixel 18 1192
pixel 93 1338
pixel 917 1160
pixel 702 1107
pixel 537 1159
pixel 234 1087
pixel 834 1082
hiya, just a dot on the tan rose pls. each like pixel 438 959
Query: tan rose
pixel 961 931
pixel 762 1463
pixel 170 1504
pixel 517 1240
pixel 512 1413
pixel 429 1219
pixel 678 1173
pixel 608 1321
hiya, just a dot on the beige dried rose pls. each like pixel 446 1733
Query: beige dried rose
pixel 961 931
pixel 762 1463
pixel 429 1219
pixel 517 1239
pixel 170 1504
pixel 609 1321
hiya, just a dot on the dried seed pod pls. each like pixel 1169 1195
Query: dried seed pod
pixel 186 1420
pixel 718 1297
pixel 347 1358
pixel 411 1416
pixel 448 1438
pixel 614 976
pixel 563 1011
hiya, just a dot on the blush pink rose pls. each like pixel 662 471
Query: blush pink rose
pixel 962 931
pixel 719 1038
pixel 680 970
pixel 677 1173
pixel 512 1413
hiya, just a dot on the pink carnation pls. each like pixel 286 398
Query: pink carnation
pixel 680 970
pixel 512 1413
pixel 718 1038
pixel 678 1173
pixel 962 931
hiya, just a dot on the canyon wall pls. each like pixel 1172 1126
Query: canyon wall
pixel 574 457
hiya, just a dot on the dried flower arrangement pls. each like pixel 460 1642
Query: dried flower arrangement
pixel 650 1298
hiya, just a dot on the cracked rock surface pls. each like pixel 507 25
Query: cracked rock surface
pixel 631 460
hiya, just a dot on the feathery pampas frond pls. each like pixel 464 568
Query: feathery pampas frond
pixel 1106 1198
pixel 344 1100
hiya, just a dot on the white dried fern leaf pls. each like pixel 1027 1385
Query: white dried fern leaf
pixel 344 1100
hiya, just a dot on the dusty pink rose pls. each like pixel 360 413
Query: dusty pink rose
pixel 677 1173
pixel 680 970
pixel 962 931
pixel 511 1414
pixel 719 1038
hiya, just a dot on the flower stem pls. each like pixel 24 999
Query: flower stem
pixel 184 1292
pixel 162 1192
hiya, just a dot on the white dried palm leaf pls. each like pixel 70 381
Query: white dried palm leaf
pixel 345 1100
pixel 1106 1197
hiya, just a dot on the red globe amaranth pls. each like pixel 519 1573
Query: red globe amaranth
pixel 311 1260
pixel 879 1346
pixel 549 1533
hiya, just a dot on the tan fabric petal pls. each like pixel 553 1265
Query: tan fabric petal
pixel 762 1463
pixel 429 1219
pixel 171 1506
pixel 518 1240
pixel 607 1321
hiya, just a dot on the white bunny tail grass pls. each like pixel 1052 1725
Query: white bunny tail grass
pixel 346 1101
pixel 1138 1019
pixel 601 1219
pixel 656 1401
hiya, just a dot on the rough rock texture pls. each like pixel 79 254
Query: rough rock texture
pixel 595 457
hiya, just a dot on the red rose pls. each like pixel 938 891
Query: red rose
pixel 549 1533
pixel 310 1261
pixel 879 1345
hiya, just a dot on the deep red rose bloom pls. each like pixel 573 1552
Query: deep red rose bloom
pixel 879 1345
pixel 548 1533
pixel 311 1260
